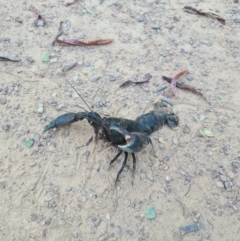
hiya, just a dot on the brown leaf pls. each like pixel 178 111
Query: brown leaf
pixel 75 42
pixel 146 78
pixel 207 14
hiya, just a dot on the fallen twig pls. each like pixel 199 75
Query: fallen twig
pixel 75 42
pixel 88 9
pixel 147 77
pixel 182 85
pixel 188 190
pixel 207 14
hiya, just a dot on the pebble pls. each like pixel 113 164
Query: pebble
pixel 237 20
pixel 30 59
pixel 61 106
pixel 32 164
pixel 223 178
pixel 189 228
pixel 204 73
pixel 69 66
pixel 68 2
pixel 235 165
pixel 103 237
pixel 40 108
pixel 95 78
pixel 168 179
pixel 118 230
pixel 53 60
pixel 220 185
pixel 188 178
pixel 6 127
pixel 3 101
pixel 143 37
pixel 189 77
pixel 214 174
pixel 32 186
pixel 112 78
pixel 108 217
pixel 140 18
pixel 86 153
pixel 169 26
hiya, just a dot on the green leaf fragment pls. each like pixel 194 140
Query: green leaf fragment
pixel 92 67
pixel 46 58
pixel 150 213
pixel 29 143
pixel 202 133
pixel 207 133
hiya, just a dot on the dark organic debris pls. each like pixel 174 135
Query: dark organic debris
pixel 75 42
pixel 207 14
pixel 146 79
pixel 9 58
pixel 40 21
pixel 182 85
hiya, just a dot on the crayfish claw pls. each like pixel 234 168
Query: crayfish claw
pixel 135 141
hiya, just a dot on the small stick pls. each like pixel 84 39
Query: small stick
pixel 88 9
pixel 164 99
pixel 188 190
pixel 160 88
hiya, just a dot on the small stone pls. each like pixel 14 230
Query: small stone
pixel 175 141
pixel 5 90
pixel 108 217
pixel 188 178
pixel 40 108
pixel 30 59
pixel 6 127
pixel 189 77
pixel 112 78
pixel 32 186
pixel 204 73
pixel 161 140
pixel 150 213
pixel 3 101
pixel 235 208
pixel 32 164
pixel 168 179
pixel 223 178
pixel 69 66
pixel 103 237
pixel 61 106
pixel 235 165
pixel 16 106
pixel 237 20
pixel 143 37
pixel 214 174
pixel 53 60
pixel 68 2
pixel 189 228
pixel 95 78
pixel 220 185
pixel 118 230
pixel 227 186
pixel 86 153
pixel 140 18
pixel 169 26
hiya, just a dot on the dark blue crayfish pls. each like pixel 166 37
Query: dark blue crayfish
pixel 129 136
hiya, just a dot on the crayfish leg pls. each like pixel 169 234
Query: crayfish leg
pixel 123 165
pixel 134 167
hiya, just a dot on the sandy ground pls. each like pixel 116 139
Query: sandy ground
pixel 61 189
